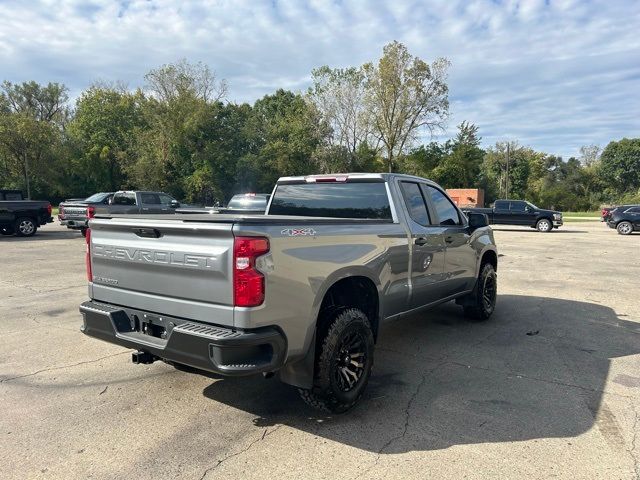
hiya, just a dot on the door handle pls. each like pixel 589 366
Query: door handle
pixel 448 239
pixel 420 241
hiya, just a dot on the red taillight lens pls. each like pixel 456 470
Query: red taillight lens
pixel 49 209
pixel 248 282
pixel 88 256
pixel 91 211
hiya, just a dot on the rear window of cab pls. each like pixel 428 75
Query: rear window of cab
pixel 334 200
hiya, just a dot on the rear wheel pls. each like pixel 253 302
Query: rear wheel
pixel 25 227
pixel 83 231
pixel 484 295
pixel 624 228
pixel 6 230
pixel 344 357
pixel 544 225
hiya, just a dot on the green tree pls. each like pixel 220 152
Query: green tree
pixel 287 131
pixel 32 118
pixel 104 130
pixel 460 166
pixel 620 164
pixel 339 96
pixel 404 94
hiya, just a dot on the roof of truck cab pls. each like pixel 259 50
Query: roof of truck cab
pixel 354 176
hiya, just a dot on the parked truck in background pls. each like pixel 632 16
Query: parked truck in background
pixel 22 217
pixel 520 212
pixel 300 291
pixel 75 214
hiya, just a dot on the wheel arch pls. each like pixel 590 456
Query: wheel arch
pixel 488 255
pixel 349 288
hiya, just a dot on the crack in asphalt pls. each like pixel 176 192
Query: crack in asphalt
pixel 407 418
pixel 264 435
pixel 632 451
pixel 61 367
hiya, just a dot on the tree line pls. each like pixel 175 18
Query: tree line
pixel 179 134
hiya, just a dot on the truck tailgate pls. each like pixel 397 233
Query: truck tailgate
pixel 165 266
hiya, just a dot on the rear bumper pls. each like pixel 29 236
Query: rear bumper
pixel 75 224
pixel 207 347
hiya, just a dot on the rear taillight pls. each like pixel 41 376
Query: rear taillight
pixel 49 209
pixel 248 282
pixel 88 255
pixel 91 211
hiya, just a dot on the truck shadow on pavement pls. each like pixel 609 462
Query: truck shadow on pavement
pixel 537 369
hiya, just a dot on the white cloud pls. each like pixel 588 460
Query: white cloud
pixel 553 74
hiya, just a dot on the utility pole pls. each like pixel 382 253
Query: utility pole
pixel 506 183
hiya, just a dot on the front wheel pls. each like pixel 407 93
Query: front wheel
pixel 344 358
pixel 25 227
pixel 624 228
pixel 544 225
pixel 484 295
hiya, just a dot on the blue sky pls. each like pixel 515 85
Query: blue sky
pixel 553 75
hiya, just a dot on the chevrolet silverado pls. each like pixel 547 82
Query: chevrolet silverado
pixel 299 292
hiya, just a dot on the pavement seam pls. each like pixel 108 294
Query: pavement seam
pixel 264 435
pixel 62 367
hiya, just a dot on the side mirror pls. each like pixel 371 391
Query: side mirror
pixel 174 204
pixel 478 220
pixel 527 209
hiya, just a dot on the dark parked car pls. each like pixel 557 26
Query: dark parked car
pixel 520 212
pixel 625 219
pixel 75 214
pixel 22 217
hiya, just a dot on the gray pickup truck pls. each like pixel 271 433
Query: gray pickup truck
pixel 76 215
pixel 300 291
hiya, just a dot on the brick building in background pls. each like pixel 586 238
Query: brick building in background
pixel 467 197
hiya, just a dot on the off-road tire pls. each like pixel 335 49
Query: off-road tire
pixel 544 225
pixel 328 391
pixel 624 228
pixel 25 227
pixel 484 295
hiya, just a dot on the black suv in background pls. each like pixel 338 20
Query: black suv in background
pixel 625 219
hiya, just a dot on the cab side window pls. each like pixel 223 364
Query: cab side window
pixel 150 198
pixel 415 203
pixel 165 199
pixel 446 211
pixel 517 206
pixel 124 199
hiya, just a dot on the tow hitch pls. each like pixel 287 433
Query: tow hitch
pixel 142 357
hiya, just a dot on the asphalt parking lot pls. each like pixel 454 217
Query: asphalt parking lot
pixel 549 387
